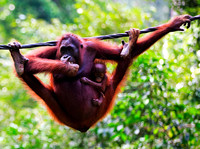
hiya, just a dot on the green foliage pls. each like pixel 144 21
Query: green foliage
pixel 159 106
pixel 189 6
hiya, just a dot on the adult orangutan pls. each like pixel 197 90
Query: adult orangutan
pixel 67 98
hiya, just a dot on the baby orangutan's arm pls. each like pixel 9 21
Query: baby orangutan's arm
pixel 99 86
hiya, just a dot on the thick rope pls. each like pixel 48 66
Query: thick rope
pixel 103 37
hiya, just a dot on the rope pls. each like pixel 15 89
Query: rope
pixel 103 37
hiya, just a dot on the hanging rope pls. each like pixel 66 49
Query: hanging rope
pixel 103 37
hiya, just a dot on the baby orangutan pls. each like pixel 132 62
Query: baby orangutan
pixel 98 81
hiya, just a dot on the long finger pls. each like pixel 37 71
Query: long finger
pixel 188 24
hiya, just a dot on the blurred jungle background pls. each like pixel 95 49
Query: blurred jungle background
pixel 159 106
